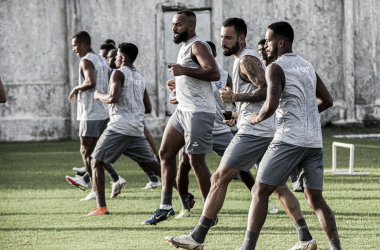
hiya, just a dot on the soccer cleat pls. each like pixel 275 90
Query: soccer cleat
pixel 160 215
pixel 191 200
pixel 272 209
pixel 98 211
pixel 78 182
pixel 305 245
pixel 90 196
pixel 80 171
pixel 117 186
pixel 183 214
pixel 152 185
pixel 184 241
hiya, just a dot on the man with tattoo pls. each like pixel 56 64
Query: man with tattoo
pixel 263 53
pixel 190 126
pixel 296 149
pixel 249 144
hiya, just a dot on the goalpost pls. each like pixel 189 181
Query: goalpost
pixel 350 170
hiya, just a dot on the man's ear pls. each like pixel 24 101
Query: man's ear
pixel 281 43
pixel 241 38
pixel 192 26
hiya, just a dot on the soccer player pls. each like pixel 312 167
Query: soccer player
pixel 263 53
pixel 105 49
pixel 92 114
pixel 296 149
pixel 124 134
pixel 192 122
pixel 249 144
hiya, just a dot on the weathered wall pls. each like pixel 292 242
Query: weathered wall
pixel 39 68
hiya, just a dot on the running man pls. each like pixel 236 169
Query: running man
pixel 124 134
pixel 192 122
pixel 263 53
pixel 296 149
pixel 249 144
pixel 92 114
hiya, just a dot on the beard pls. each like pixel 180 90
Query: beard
pixel 181 37
pixel 235 48
pixel 273 54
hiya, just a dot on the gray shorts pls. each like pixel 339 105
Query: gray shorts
pixel 303 165
pixel 112 145
pixel 93 128
pixel 244 151
pixel 221 142
pixel 196 128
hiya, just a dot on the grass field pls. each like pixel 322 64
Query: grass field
pixel 40 210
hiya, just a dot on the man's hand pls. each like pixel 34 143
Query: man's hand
pixel 173 97
pixel 176 69
pixel 170 85
pixel 231 122
pixel 253 118
pixel 227 95
pixel 73 94
pixel 97 94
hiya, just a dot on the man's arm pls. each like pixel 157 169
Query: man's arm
pixel 113 96
pixel 324 99
pixel 252 71
pixel 3 97
pixel 276 80
pixel 209 70
pixel 89 79
pixel 147 103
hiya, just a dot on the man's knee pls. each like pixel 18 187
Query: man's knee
pixel 260 190
pixel 314 198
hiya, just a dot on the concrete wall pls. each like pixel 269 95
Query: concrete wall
pixel 340 38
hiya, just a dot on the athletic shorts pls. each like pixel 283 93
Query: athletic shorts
pixel 196 128
pixel 93 128
pixel 221 142
pixel 112 145
pixel 303 165
pixel 244 151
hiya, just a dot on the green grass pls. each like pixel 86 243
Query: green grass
pixel 40 210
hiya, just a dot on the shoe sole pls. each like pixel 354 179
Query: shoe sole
pixel 76 184
pixel 173 244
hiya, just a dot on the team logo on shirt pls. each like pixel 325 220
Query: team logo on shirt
pixel 195 144
pixel 218 85
pixel 302 69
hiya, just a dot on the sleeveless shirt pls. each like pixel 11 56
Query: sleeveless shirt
pixel 193 94
pixel 219 125
pixel 88 108
pixel 127 114
pixel 298 116
pixel 265 128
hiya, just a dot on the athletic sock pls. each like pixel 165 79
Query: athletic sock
pixel 185 201
pixel 166 197
pixel 201 230
pixel 112 173
pixel 101 198
pixel 335 244
pixel 151 175
pixel 250 240
pixel 303 230
pixel 86 178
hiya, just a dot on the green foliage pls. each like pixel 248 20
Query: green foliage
pixel 40 210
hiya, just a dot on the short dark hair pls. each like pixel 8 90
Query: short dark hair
pixel 262 42
pixel 238 23
pixel 107 46
pixel 109 41
pixel 83 36
pixel 283 29
pixel 188 13
pixel 212 45
pixel 130 50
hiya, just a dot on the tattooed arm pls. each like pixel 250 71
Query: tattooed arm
pixel 276 81
pixel 252 71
